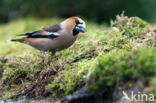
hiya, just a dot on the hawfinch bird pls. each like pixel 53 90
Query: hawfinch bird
pixel 55 38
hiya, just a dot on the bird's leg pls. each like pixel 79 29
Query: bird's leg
pixel 53 61
pixel 42 52
pixel 47 58
pixel 43 56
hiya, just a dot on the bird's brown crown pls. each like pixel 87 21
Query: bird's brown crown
pixel 72 22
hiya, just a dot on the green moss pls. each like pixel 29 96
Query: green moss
pixel 122 66
pixel 130 26
pixel 152 88
pixel 12 76
pixel 70 67
pixel 69 79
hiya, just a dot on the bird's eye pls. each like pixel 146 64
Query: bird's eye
pixel 78 22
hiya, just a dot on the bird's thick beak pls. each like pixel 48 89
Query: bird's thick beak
pixel 81 28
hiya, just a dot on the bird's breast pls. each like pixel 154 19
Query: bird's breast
pixel 64 41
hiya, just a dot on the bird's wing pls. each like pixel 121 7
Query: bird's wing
pixel 54 28
pixel 41 34
pixel 47 32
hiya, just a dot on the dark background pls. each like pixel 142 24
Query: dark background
pixel 96 10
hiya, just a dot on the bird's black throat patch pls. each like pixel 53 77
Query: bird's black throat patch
pixel 75 32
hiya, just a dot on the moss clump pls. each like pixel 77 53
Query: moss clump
pixel 130 26
pixel 12 77
pixel 122 67
pixel 69 80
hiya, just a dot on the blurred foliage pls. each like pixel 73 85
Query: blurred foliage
pixel 98 10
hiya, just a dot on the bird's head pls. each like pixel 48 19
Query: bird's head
pixel 75 25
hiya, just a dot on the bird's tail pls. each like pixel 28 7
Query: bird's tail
pixel 16 40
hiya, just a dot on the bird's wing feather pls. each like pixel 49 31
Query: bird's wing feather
pixel 54 28
pixel 41 34
pixel 47 32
